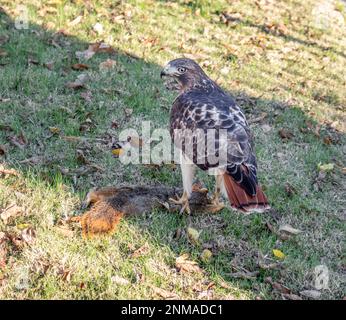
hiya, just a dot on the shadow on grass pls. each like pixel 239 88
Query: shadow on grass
pixel 235 240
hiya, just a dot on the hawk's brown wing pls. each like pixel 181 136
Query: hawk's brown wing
pixel 195 113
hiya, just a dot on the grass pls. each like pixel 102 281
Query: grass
pixel 271 55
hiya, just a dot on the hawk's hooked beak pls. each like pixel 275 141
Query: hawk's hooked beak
pixel 167 71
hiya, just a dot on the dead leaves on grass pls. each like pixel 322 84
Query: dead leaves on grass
pixel 79 83
pixel 143 250
pixel 183 264
pixel 94 48
pixel 19 141
pixel 168 295
pixel 11 212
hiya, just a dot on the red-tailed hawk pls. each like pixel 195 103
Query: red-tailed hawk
pixel 202 106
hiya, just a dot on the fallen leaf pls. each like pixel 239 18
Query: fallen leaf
pixel 328 140
pixel 144 249
pixel 326 167
pixel 86 95
pixel 3 39
pixel 290 190
pixel 3 53
pixel 3 250
pixel 164 293
pixel 79 82
pixel 128 112
pixel 312 294
pixel 279 254
pixel 244 275
pixel 86 125
pixel 28 235
pixel 10 172
pixel 3 150
pixel 120 281
pixel 80 66
pixel 94 48
pixel 184 265
pixel 193 235
pixel 288 229
pixel 266 128
pixel 10 212
pixel 281 288
pixel 34 160
pixel 49 65
pixel 19 140
pixel 81 158
pixel 108 64
pixel 65 274
pixel 86 55
pixel 75 21
pixel 285 134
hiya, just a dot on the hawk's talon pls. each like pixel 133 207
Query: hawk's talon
pixel 215 200
pixel 183 202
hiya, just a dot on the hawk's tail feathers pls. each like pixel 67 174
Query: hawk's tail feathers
pixel 241 200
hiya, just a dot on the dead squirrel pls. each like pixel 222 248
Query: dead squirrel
pixel 110 204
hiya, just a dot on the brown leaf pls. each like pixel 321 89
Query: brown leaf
pixel 3 250
pixel 143 250
pixel 65 274
pixel 49 65
pixel 101 47
pixel 291 296
pixel 86 95
pixel 184 265
pixel 108 64
pixel 28 235
pixel 19 140
pixel 128 112
pixel 79 82
pixel 81 158
pixel 75 21
pixel 4 171
pixel 86 125
pixel 120 280
pixel 328 140
pixel 244 275
pixel 164 293
pixel 10 212
pixel 3 53
pixel 3 39
pixel 34 160
pixel 80 66
pixel 290 190
pixel 286 134
pixel 3 150
pixel 278 286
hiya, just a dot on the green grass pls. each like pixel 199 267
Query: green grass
pixel 295 76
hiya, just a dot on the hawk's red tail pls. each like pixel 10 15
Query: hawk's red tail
pixel 242 201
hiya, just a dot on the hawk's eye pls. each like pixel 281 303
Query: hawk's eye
pixel 181 70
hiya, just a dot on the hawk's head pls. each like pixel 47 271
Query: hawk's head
pixel 183 74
